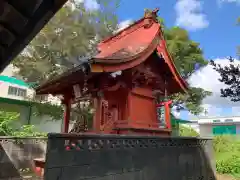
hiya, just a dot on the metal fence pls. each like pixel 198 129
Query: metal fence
pixel 108 157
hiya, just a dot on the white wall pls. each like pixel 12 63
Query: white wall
pixel 4 91
pixel 53 100
pixel 9 70
pixel 235 119
pixel 45 124
pixel 206 130
pixel 4 86
pixel 193 125
pixel 205 125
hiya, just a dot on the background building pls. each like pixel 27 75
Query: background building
pixel 13 88
pixel 208 127
pixel 16 96
pixel 219 125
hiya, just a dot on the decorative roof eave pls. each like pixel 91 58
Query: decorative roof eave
pixel 171 64
pixel 61 82
pixel 162 51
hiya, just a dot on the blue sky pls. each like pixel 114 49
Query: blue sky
pixel 219 39
pixel 212 23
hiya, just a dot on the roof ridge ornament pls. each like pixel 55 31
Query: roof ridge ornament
pixel 150 17
pixel 151 14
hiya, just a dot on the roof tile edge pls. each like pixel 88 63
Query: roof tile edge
pixel 152 16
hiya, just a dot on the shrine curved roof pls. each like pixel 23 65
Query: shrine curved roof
pixel 133 45
pixel 129 48
pixel 127 44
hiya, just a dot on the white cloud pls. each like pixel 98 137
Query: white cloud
pixel 221 2
pixel 90 5
pixel 189 15
pixel 124 24
pixel 229 1
pixel 175 112
pixel 207 78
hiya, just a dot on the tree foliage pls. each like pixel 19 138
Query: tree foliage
pixel 55 112
pixel 187 131
pixel 6 120
pixel 8 126
pixel 28 131
pixel 70 34
pixel 226 149
pixel 230 76
pixel 187 55
pixel 188 58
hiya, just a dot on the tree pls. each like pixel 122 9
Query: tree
pixel 71 34
pixel 74 33
pixel 230 76
pixel 188 58
pixel 8 127
pixel 6 122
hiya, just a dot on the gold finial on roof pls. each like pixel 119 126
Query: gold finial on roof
pixel 151 14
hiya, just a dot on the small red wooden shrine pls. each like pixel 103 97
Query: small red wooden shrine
pixel 122 79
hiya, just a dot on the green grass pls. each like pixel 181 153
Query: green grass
pixel 227 154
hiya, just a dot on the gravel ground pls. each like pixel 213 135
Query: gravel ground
pixel 225 177
pixel 30 176
pixel 219 177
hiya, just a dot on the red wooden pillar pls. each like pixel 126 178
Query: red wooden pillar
pixel 67 111
pixel 167 114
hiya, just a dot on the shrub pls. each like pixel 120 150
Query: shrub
pixel 28 131
pixel 227 154
pixel 229 165
pixel 7 120
pixel 187 131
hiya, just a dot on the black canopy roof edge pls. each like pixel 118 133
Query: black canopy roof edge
pixel 35 21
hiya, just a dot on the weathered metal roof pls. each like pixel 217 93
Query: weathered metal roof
pixel 133 45
pixel 20 21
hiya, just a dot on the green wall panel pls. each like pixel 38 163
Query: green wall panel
pixel 225 129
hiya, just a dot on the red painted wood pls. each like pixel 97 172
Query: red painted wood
pixel 167 112
pixel 125 104
pixel 66 117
